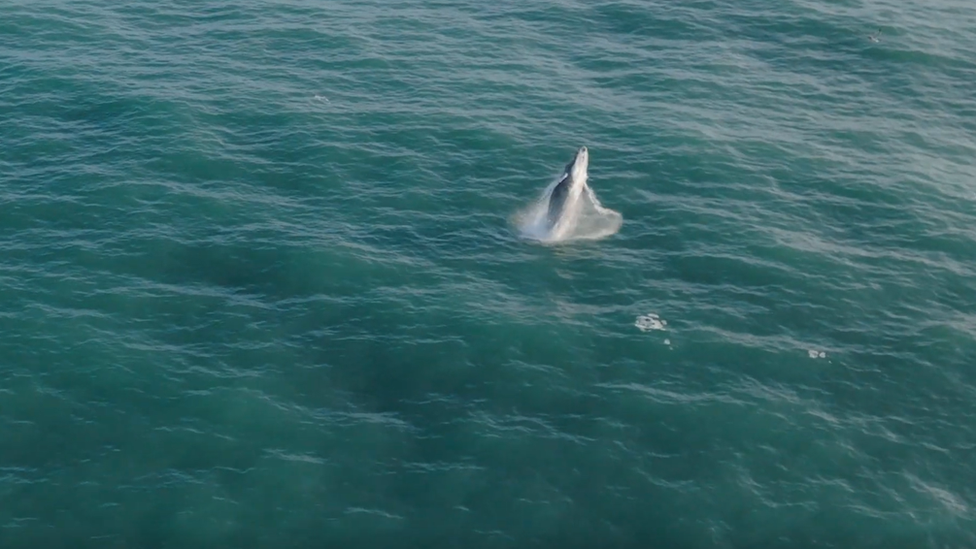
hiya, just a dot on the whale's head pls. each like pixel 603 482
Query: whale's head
pixel 576 169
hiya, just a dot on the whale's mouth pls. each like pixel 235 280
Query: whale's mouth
pixel 582 155
pixel 577 168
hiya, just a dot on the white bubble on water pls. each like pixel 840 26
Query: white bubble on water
pixel 650 321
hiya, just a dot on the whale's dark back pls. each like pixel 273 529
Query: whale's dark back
pixel 557 200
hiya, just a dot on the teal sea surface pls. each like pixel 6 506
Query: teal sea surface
pixel 262 283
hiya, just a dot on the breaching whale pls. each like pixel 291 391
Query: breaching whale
pixel 568 209
pixel 571 185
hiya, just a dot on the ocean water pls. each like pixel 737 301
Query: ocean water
pixel 260 284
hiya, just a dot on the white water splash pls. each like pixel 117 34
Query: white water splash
pixel 649 322
pixel 584 218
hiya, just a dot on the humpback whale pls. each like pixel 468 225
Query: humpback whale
pixel 568 208
pixel 571 185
